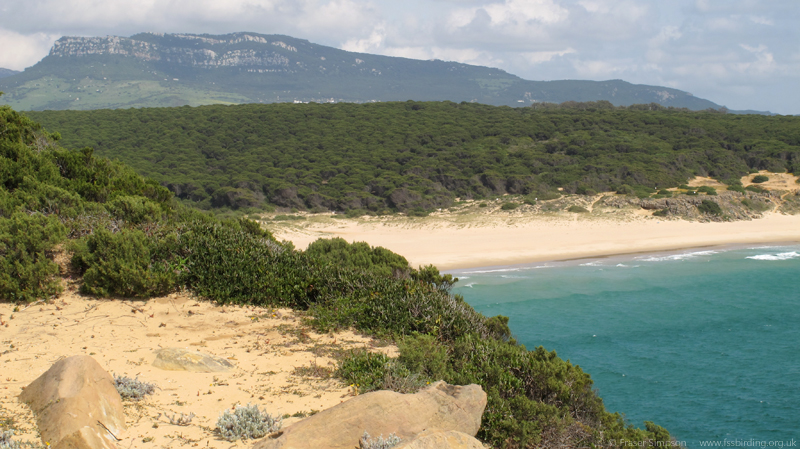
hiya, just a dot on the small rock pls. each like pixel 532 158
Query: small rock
pixel 175 359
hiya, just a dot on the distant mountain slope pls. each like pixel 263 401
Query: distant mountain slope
pixel 179 69
pixel 7 72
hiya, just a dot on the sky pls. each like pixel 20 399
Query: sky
pixel 743 54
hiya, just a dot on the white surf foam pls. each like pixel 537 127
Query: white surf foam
pixel 683 256
pixel 779 256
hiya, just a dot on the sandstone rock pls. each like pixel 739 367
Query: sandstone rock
pixel 442 440
pixel 439 408
pixel 175 359
pixel 76 405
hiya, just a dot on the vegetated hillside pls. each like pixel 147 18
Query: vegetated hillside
pixel 7 72
pixel 419 156
pixel 128 237
pixel 155 70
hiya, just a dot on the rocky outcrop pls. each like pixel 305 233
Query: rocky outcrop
pixel 218 53
pixel 439 408
pixel 175 359
pixel 734 205
pixel 76 405
pixel 442 440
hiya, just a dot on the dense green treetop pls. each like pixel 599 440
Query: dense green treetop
pixel 402 156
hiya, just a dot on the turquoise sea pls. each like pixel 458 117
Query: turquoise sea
pixel 703 342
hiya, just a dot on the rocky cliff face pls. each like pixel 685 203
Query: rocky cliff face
pixel 236 50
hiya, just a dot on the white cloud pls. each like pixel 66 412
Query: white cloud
pixel 538 57
pixel 21 51
pixel 514 16
pixel 763 64
pixel 370 44
pixel 602 69
pixel 762 20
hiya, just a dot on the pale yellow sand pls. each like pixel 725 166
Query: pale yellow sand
pixel 456 241
pixel 266 345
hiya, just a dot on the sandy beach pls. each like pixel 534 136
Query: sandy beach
pixel 452 241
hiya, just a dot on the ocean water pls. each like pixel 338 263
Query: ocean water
pixel 703 342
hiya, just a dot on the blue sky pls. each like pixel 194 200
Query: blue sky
pixel 743 54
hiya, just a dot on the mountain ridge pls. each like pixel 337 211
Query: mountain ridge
pixel 156 69
pixel 7 72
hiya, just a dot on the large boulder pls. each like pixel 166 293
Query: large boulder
pixel 439 408
pixel 77 405
pixel 176 359
pixel 442 440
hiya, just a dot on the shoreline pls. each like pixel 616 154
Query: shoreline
pixel 619 257
pixel 458 243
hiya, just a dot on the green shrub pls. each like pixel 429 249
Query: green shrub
pixel 709 207
pixel 758 179
pixel 364 370
pixel 664 192
pixel 483 205
pixel 128 263
pixel 755 205
pixel 134 209
pixel 509 206
pixel 26 265
pixel 577 209
pixel 548 195
pixel 429 274
pixel 708 190
pixel 692 193
pixel 379 260
pixel 247 422
pixel 388 306
pixel 230 265
pixel 756 189
pixel 735 188
pixel 540 391
pixel 643 191
pixel 424 355
pixel 661 213
pixel 291 217
pixel 498 325
pixel 625 190
pixel 355 213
